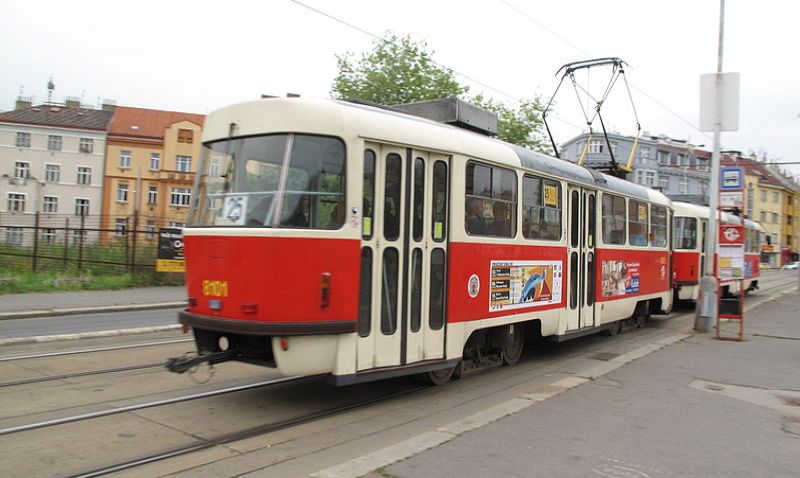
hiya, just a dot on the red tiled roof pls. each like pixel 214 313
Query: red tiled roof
pixel 59 116
pixel 147 123
pixel 753 167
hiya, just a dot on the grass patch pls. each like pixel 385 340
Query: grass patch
pixel 13 282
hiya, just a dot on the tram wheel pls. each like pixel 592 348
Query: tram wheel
pixel 513 352
pixel 441 376
pixel 614 328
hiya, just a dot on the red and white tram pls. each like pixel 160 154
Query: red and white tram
pixel 689 254
pixel 334 238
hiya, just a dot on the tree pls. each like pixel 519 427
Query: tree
pixel 522 126
pixel 396 71
pixel 399 70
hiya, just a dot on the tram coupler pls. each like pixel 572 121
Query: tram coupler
pixel 186 362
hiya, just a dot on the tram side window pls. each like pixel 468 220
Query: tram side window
pixel 613 219
pixel 541 208
pixel 391 205
pixel 637 223
pixel 369 193
pixel 439 226
pixel 658 227
pixel 490 201
pixel 685 233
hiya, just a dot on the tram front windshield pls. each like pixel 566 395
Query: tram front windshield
pixel 283 180
pixel 685 233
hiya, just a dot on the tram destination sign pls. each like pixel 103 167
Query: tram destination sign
pixel 170 251
pixel 731 179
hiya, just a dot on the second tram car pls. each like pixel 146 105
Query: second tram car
pixel 689 254
pixel 335 238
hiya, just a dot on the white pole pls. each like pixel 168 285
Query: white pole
pixel 707 300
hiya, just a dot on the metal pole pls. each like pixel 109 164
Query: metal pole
pixel 35 241
pixel 707 300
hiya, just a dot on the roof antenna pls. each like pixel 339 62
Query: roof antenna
pixel 50 87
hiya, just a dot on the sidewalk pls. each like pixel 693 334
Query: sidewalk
pixel 41 304
pixel 698 408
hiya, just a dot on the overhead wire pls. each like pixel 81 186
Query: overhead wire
pixel 440 65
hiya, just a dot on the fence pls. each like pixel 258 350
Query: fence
pixel 100 244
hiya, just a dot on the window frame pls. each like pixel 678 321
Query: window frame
pixel 183 163
pixel 17 202
pixel 180 193
pixel 55 142
pixel 559 208
pixel 511 205
pixel 48 205
pixel 52 175
pixel 624 218
pixel 638 221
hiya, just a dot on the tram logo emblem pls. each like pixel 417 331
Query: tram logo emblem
pixel 731 234
pixel 474 285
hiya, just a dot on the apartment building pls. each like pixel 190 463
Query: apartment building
pixel 151 160
pixel 51 162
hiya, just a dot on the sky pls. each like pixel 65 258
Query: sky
pixel 197 56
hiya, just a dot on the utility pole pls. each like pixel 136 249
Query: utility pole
pixel 708 298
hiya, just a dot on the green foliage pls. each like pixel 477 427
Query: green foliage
pixel 522 125
pixel 397 70
pixel 400 70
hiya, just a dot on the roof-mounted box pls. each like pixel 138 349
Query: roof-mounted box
pixel 455 112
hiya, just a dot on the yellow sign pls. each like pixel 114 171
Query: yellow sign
pixel 215 288
pixel 550 196
pixel 170 265
pixel 642 213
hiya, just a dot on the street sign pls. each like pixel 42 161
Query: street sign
pixel 728 89
pixel 731 199
pixel 731 179
pixel 731 234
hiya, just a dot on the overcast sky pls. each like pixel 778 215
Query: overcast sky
pixel 198 56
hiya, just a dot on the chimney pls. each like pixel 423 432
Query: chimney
pixel 72 102
pixel 109 105
pixel 23 102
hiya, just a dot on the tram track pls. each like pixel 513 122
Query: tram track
pixel 51 378
pixel 251 432
pixel 93 350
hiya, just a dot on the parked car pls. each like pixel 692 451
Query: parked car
pixel 792 265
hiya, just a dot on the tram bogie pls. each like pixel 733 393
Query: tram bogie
pixel 341 239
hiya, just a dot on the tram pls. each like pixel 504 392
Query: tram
pixel 689 254
pixel 329 237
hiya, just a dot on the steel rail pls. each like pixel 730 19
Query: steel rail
pixel 141 406
pixel 100 349
pixel 50 378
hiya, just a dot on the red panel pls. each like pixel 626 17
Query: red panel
pixel 282 276
pixel 467 259
pixel 751 266
pixel 687 266
pixel 644 272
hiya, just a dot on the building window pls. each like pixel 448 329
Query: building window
pixel 16 202
pixel 124 159
pixel 683 184
pixel 763 216
pixel 122 192
pixel 52 173
pixel 185 136
pixel 177 225
pixel 78 237
pixel 54 143
pixel 704 189
pixel 87 145
pixel 152 194
pixel 663 182
pixel 183 164
pixel 155 161
pixel 84 175
pixel 48 235
pixel 23 140
pixel 663 157
pixel 14 235
pixel 81 207
pixel 150 230
pixel 763 196
pixel 50 204
pixel 213 169
pixel 776 197
pixel 638 177
pixel 120 227
pixel 775 218
pixel 650 178
pixel 644 152
pixel 180 197
pixel 595 146
pixel 22 169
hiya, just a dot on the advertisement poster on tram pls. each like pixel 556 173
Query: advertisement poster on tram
pixel 518 284
pixel 620 278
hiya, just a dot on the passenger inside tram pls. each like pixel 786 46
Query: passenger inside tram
pixel 474 221
pixel 500 226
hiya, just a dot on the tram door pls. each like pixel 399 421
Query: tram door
pixel 582 265
pixel 404 246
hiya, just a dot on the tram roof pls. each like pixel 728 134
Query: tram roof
pixel 685 209
pixel 384 125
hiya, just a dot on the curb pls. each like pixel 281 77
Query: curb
pixel 29 314
pixel 88 335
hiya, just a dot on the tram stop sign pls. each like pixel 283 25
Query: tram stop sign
pixel 731 235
